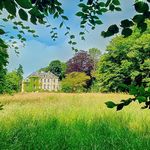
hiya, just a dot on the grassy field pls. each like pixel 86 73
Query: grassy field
pixel 48 121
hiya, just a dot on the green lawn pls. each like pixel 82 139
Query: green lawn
pixel 47 121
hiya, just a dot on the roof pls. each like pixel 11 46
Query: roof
pixel 43 74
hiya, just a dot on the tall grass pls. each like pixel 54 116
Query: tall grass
pixel 46 121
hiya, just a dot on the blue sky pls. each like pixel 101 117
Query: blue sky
pixel 38 52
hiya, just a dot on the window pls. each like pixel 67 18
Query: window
pixel 45 80
pixel 44 86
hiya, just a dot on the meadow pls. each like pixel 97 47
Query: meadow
pixel 57 121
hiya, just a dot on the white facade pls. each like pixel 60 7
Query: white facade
pixel 47 81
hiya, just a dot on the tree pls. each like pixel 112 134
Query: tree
pixel 11 82
pixel 20 75
pixel 56 67
pixel 126 67
pixel 95 55
pixel 81 62
pixel 124 61
pixel 3 63
pixel 64 69
pixel 75 82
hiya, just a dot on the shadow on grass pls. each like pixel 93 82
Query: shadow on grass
pixel 52 134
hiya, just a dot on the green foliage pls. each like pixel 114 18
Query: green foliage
pixel 56 67
pixel 125 62
pixel 143 13
pixel 74 82
pixel 95 55
pixel 32 85
pixel 126 67
pixel 3 63
pixel 12 81
pixel 141 95
pixel 90 11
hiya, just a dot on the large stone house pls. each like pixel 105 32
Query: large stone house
pixel 41 81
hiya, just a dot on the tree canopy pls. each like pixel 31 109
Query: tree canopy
pixel 81 62
pixel 75 82
pixel 126 61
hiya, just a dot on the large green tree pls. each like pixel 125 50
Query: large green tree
pixel 126 61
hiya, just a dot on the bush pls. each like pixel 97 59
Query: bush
pixel 75 82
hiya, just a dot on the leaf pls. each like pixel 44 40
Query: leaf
pixel 82 5
pixel 90 2
pixel 72 36
pixel 126 23
pixel 66 33
pixel 107 3
pixel 81 33
pixel 126 102
pixel 4 19
pixel 10 7
pixel 80 14
pixel 112 7
pixel 35 12
pixel 110 104
pixel 23 15
pixel 113 29
pixel 138 18
pixel 102 4
pixel 2 31
pixel 48 25
pixel 33 19
pixel 61 24
pixel 65 17
pixel 141 99
pixel 118 9
pixel 103 10
pixel 141 7
pixel 24 3
pixel 126 32
pixel 74 43
pixel 98 22
pixel 120 106
pixel 56 15
pixel 116 2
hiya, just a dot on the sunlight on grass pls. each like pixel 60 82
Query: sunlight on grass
pixel 71 121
